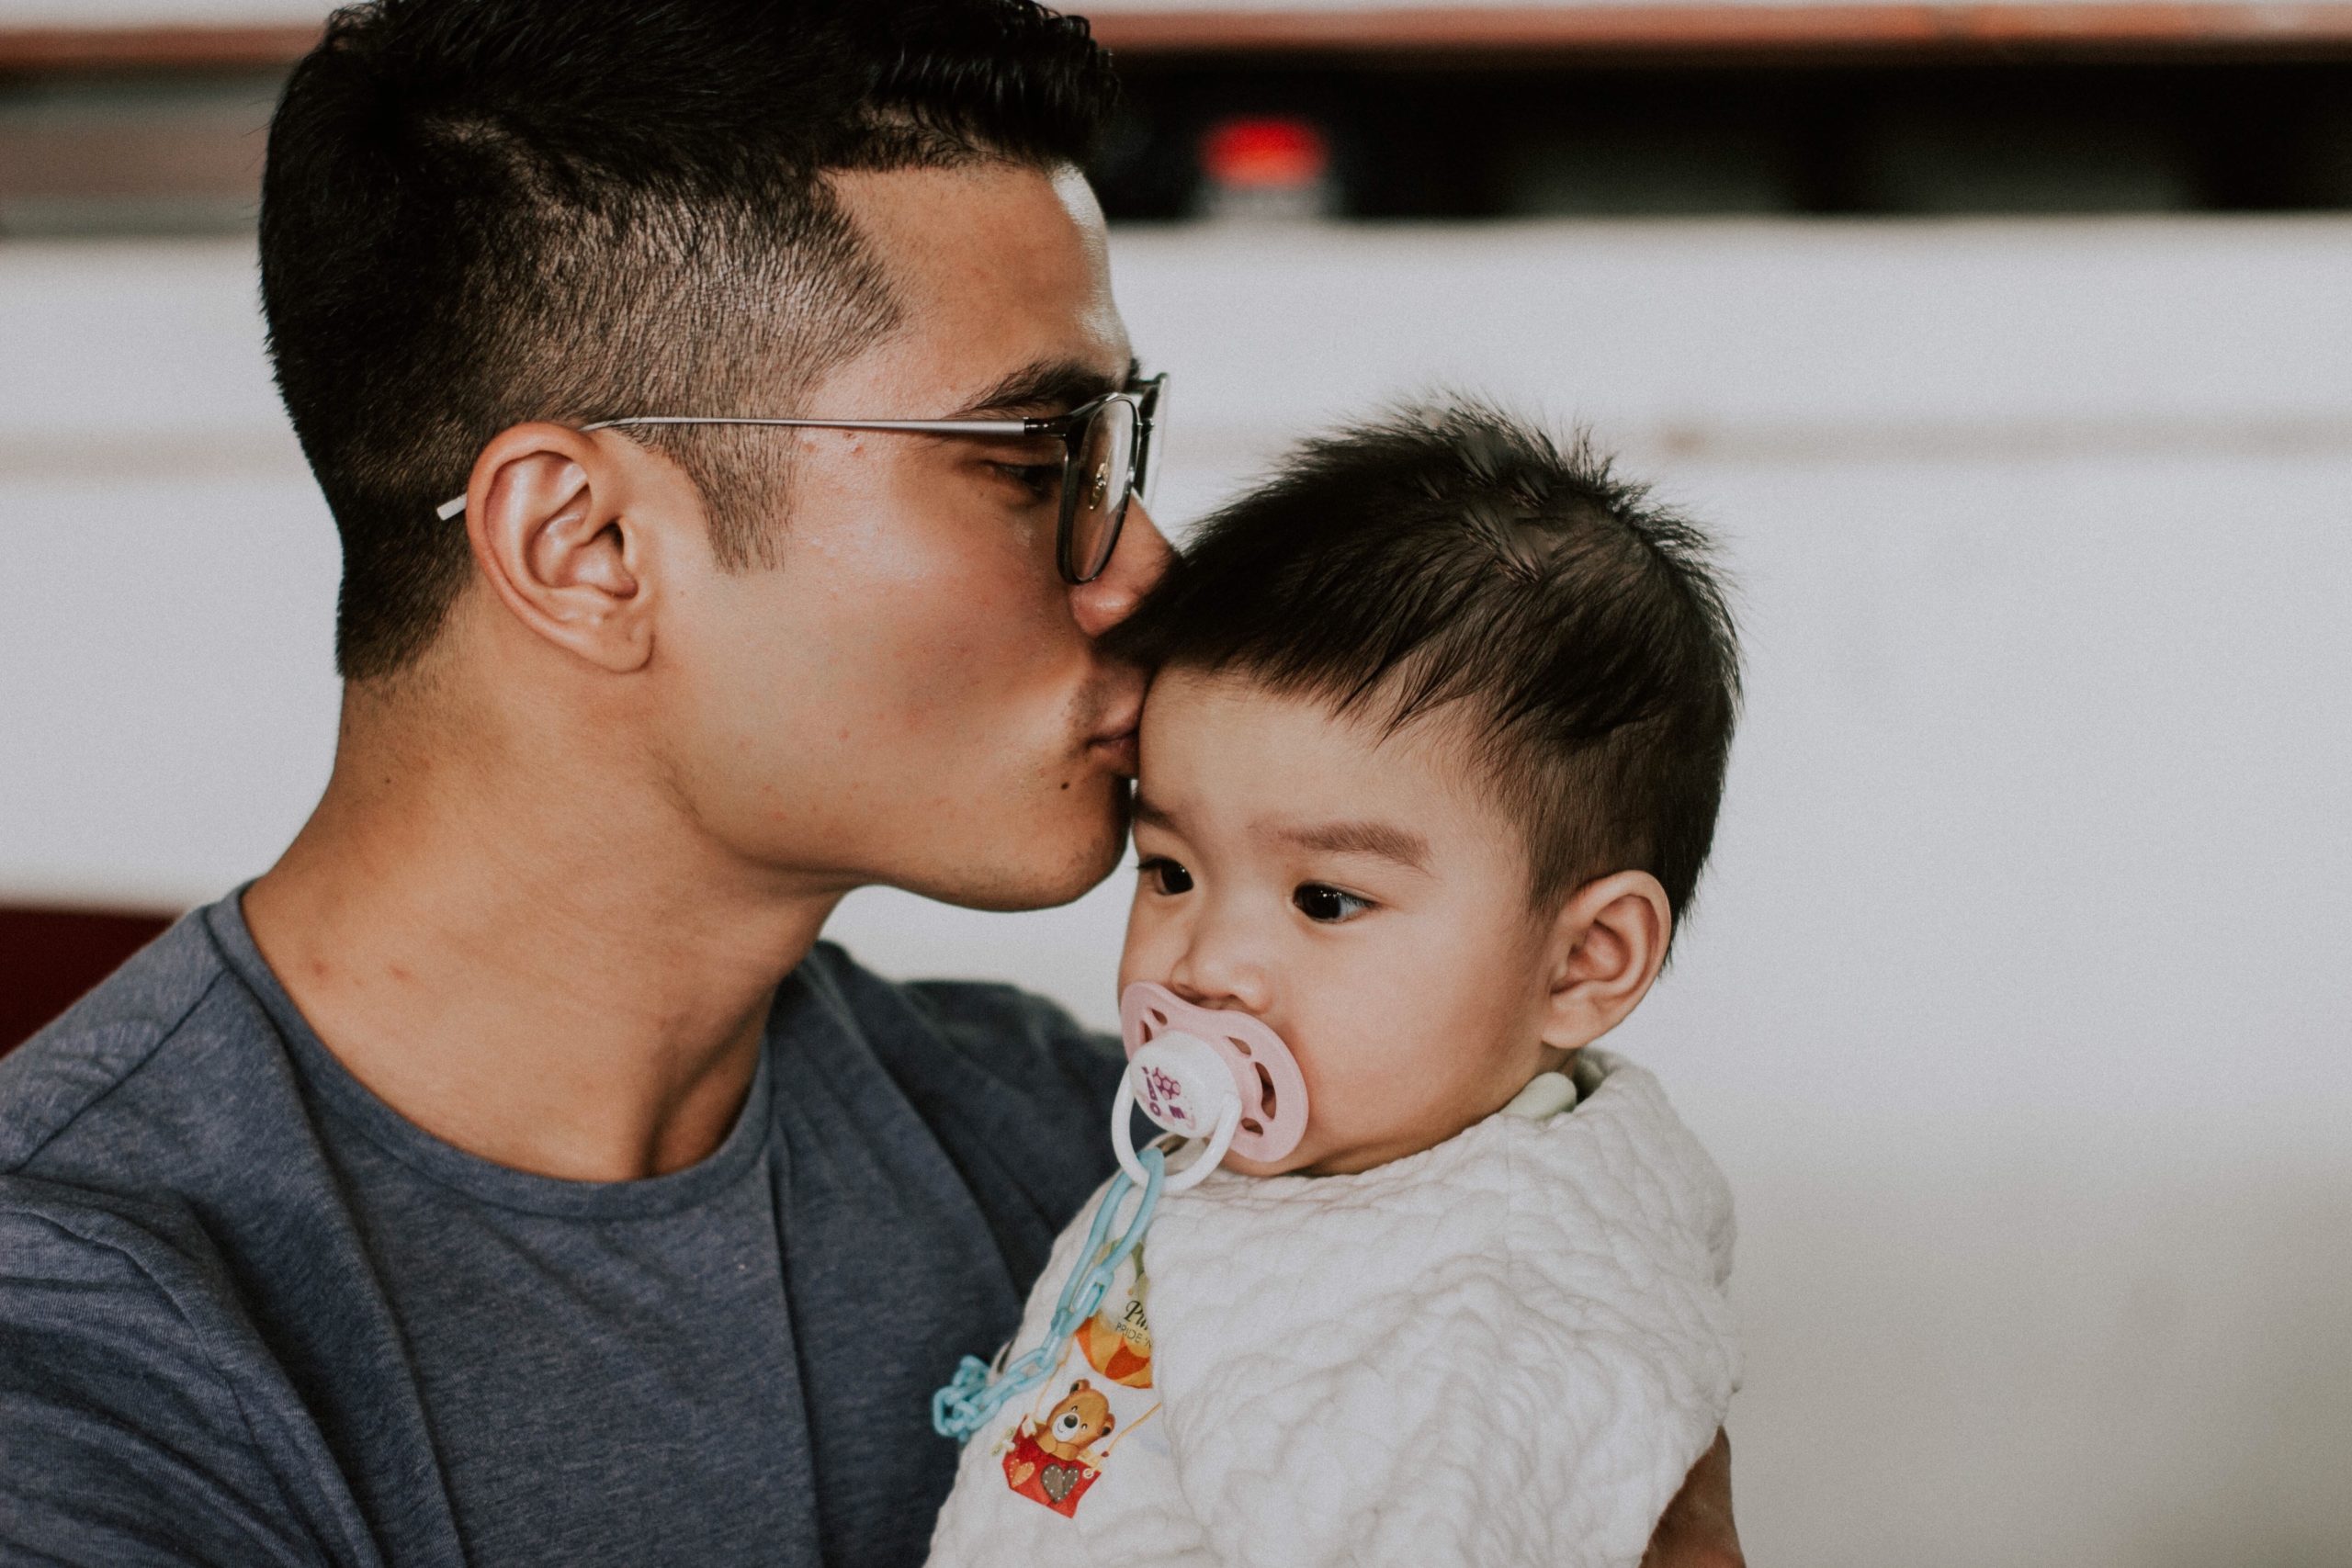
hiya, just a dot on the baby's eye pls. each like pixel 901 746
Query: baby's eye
pixel 1321 902
pixel 1165 874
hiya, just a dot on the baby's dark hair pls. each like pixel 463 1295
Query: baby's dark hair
pixel 1449 555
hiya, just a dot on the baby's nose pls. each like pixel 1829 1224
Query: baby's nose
pixel 1218 970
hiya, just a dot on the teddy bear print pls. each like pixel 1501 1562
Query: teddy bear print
pixel 1053 1461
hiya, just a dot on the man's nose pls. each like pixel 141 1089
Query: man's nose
pixel 1141 556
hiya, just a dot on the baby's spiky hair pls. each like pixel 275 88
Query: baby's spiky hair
pixel 1449 560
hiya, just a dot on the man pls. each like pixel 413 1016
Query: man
pixel 508 1176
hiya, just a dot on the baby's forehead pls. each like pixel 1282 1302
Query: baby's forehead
pixel 1221 744
pixel 1208 703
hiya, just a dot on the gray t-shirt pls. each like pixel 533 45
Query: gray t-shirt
pixel 249 1314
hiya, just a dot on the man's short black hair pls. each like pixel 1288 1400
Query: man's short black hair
pixel 478 212
pixel 1450 558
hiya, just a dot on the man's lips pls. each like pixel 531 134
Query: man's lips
pixel 1112 738
pixel 1116 747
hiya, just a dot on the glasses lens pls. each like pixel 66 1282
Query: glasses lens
pixel 1095 502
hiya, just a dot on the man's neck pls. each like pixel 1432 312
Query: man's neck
pixel 551 985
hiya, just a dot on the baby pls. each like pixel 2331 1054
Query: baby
pixel 1429 768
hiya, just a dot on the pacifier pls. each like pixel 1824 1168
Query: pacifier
pixel 1205 1072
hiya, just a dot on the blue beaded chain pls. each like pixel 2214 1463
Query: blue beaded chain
pixel 964 1407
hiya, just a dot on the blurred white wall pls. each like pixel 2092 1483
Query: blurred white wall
pixel 2016 1004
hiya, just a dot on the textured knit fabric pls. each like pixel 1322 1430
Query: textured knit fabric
pixel 1510 1348
pixel 249 1315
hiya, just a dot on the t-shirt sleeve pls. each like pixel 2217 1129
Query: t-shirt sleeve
pixel 120 1442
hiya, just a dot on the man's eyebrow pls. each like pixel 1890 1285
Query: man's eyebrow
pixel 1048 386
pixel 1384 840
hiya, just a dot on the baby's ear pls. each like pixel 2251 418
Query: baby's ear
pixel 1607 944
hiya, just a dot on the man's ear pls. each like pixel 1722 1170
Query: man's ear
pixel 1608 942
pixel 544 515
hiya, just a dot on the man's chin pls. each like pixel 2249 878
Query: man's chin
pixel 1024 872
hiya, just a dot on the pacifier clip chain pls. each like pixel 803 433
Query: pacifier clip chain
pixel 966 1404
pixel 1217 1077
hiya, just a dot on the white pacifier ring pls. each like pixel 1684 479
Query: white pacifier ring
pixel 1185 1088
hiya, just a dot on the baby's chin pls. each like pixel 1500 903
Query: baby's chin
pixel 1291 1164
pixel 1325 1156
pixel 1309 1160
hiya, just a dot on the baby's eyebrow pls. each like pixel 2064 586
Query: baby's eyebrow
pixel 1383 838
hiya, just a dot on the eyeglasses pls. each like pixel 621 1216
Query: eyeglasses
pixel 1106 459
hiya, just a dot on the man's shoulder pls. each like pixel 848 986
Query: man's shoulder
pixel 114 1294
pixel 160 1073
pixel 67 1073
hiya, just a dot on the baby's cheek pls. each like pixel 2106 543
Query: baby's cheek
pixel 1431 1072
pixel 1141 956
pixel 1377 1090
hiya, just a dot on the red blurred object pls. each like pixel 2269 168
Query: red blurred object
pixel 1264 153
pixel 49 958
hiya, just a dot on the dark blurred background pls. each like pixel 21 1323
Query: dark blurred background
pixel 1470 139
pixel 91 144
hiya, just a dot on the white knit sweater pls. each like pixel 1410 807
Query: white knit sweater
pixel 1510 1348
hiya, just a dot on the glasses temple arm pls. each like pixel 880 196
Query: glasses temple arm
pixel 456 505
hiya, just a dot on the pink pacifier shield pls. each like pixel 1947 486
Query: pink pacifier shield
pixel 1273 1094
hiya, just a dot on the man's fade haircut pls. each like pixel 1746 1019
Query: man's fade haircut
pixel 1449 560
pixel 480 212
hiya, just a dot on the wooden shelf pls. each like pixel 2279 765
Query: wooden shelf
pixel 35 50
pixel 1995 30
pixel 1943 31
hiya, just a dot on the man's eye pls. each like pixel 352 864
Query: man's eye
pixel 1165 875
pixel 1327 905
pixel 1041 481
pixel 1035 466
